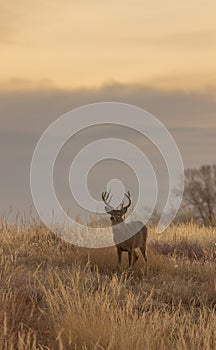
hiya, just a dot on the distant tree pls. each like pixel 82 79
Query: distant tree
pixel 200 193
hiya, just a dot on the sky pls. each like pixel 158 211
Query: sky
pixel 68 44
pixel 56 56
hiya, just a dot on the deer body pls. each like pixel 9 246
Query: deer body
pixel 121 230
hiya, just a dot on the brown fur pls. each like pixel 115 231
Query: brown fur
pixel 130 245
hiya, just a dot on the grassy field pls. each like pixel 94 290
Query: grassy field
pixel 56 296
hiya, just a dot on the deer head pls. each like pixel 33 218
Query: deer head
pixel 116 215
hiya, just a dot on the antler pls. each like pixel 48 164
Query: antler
pixel 107 198
pixel 129 199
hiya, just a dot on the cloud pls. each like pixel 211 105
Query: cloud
pixel 25 114
pixel 16 83
pixel 177 108
pixel 187 39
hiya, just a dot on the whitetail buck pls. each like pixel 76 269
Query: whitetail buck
pixel 138 240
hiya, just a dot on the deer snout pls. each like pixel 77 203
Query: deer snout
pixel 112 218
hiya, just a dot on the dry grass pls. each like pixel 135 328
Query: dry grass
pixel 55 296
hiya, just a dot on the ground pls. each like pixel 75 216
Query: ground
pixel 57 296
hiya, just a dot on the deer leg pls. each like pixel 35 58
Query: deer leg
pixel 135 257
pixel 119 251
pixel 130 256
pixel 143 251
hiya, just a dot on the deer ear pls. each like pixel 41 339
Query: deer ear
pixel 108 211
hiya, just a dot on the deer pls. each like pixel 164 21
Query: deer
pixel 138 240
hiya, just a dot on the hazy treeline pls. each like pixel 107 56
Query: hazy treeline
pixel 199 200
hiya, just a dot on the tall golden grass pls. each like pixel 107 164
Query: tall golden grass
pixel 56 296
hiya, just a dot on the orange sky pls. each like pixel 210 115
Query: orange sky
pixel 67 44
